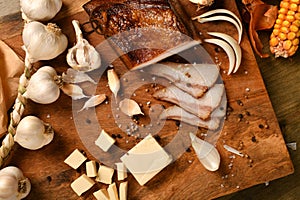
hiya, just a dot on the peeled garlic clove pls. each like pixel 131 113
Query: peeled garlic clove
pixel 93 101
pixel 32 133
pixel 73 91
pixel 74 76
pixel 13 184
pixel 43 86
pixel 37 10
pixel 43 42
pixel 207 154
pixel 228 50
pixel 130 107
pixel 113 82
pixel 83 56
pixel 235 46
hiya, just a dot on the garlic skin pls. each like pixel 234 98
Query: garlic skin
pixel 207 154
pixel 43 86
pixel 13 184
pixel 83 56
pixel 43 42
pixel 40 10
pixel 32 133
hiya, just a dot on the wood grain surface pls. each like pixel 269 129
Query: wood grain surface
pixel 258 130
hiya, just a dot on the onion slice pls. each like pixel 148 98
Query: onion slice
pixel 233 43
pixel 228 50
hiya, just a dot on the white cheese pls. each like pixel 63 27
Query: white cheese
pixel 91 170
pixel 101 194
pixel 105 174
pixel 75 159
pixel 82 184
pixel 113 192
pixel 104 141
pixel 123 190
pixel 146 159
pixel 122 172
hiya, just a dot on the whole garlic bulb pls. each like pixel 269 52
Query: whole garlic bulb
pixel 32 133
pixel 43 86
pixel 43 42
pixel 13 184
pixel 40 10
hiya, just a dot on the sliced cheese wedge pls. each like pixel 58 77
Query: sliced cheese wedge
pixel 101 194
pixel 113 192
pixel 82 184
pixel 121 171
pixel 123 190
pixel 105 174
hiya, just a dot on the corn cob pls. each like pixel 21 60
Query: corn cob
pixel 284 39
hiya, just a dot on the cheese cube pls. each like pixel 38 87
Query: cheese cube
pixel 104 141
pixel 91 170
pixel 123 190
pixel 113 192
pixel 146 159
pixel 75 159
pixel 105 174
pixel 82 184
pixel 101 194
pixel 121 171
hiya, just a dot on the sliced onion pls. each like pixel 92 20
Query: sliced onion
pixel 228 50
pixel 233 43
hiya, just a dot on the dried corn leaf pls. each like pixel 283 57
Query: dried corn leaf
pixel 74 76
pixel 93 101
pixel 73 91
pixel 130 107
pixel 261 16
pixel 113 81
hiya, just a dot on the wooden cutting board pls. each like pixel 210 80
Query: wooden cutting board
pixel 251 124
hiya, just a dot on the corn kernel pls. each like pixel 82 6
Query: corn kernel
pixel 298 34
pixel 290 12
pixel 275 32
pixel 293 7
pixel 286 23
pixel 287 44
pixel 290 18
pixel 295 42
pixel 294 28
pixel 292 50
pixel 295 1
pixel 297 15
pixel 281 16
pixel 274 42
pixel 283 11
pixel 291 36
pixel 278 21
pixel 284 4
pixel 284 29
pixel 277 26
pixel 296 23
pixel 282 36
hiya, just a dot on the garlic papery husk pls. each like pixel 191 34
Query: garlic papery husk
pixel 83 56
pixel 43 42
pixel 32 133
pixel 43 86
pixel 40 10
pixel 207 154
pixel 13 184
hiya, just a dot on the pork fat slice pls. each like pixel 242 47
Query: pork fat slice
pixel 194 79
pixel 177 113
pixel 201 107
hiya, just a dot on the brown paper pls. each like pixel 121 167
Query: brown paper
pixel 11 68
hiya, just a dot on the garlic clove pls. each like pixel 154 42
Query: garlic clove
pixel 113 82
pixel 74 76
pixel 35 10
pixel 73 91
pixel 43 42
pixel 235 46
pixel 93 101
pixel 83 56
pixel 130 107
pixel 207 154
pixel 13 184
pixel 43 87
pixel 32 133
pixel 228 50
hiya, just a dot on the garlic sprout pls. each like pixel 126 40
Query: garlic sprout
pixel 32 133
pixel 207 154
pixel 39 10
pixel 83 56
pixel 43 86
pixel 13 184
pixel 43 42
